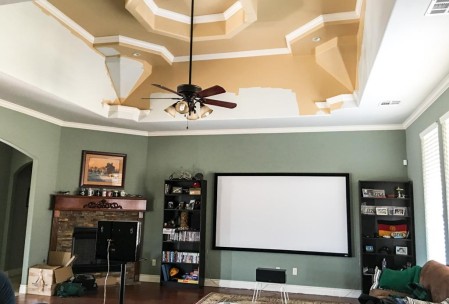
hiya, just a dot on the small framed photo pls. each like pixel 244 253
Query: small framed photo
pixel 102 169
pixel 401 250
pixel 381 211
pixel 399 211
pixel 369 248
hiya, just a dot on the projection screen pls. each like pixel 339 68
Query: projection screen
pixel 292 213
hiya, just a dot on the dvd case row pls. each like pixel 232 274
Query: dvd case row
pixel 183 236
pixel 180 257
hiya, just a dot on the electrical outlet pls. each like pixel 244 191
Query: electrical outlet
pixel 153 262
pixel 295 271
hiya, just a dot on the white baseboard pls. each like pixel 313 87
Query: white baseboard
pixel 322 291
pixel 23 289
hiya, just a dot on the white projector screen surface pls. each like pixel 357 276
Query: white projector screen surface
pixel 293 213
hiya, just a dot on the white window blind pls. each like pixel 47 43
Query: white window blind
pixel 445 128
pixel 433 195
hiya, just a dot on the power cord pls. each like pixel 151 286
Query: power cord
pixel 107 273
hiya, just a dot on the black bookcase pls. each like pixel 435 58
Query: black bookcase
pixel 184 227
pixel 386 227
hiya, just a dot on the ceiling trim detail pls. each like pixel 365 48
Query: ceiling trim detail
pixel 196 19
pixel 321 20
pixel 167 55
pixel 231 55
pixel 66 124
pixel 65 19
pixel 431 98
pixel 29 112
pixel 154 48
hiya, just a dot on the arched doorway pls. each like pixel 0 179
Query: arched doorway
pixel 18 214
pixel 15 180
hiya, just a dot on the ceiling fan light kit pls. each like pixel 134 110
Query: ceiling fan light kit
pixel 191 94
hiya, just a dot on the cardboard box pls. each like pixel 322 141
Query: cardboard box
pixel 42 278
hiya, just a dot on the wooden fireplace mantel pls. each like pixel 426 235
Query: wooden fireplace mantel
pixel 98 203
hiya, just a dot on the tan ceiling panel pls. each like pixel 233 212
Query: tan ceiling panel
pixel 137 32
pixel 275 19
pixel 202 7
pixel 305 45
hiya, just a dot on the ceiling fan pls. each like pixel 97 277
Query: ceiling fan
pixel 191 95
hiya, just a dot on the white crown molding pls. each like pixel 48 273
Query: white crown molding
pixel 152 47
pixel 277 130
pixel 90 127
pixel 29 112
pixel 320 20
pixel 313 290
pixel 65 20
pixel 61 123
pixel 231 55
pixel 433 96
pixel 233 9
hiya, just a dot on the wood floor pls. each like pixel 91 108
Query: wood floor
pixel 153 293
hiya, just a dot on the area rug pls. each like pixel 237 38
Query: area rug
pixel 222 298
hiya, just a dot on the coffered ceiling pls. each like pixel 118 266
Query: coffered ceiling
pixel 289 65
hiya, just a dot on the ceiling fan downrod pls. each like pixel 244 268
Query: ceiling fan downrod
pixel 191 41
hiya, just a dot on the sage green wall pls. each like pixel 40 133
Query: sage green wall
pixel 56 153
pixel 431 115
pixel 73 141
pixel 365 155
pixel 40 141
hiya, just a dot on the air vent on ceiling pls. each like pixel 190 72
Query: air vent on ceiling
pixel 389 103
pixel 438 7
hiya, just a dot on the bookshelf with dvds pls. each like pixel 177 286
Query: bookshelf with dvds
pixel 183 231
pixel 387 235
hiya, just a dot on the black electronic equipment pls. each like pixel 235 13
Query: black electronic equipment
pixel 122 239
pixel 271 275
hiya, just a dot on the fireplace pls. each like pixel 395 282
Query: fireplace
pixel 74 227
pixel 84 241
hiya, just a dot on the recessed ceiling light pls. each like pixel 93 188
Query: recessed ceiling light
pixel 316 39
pixel 136 54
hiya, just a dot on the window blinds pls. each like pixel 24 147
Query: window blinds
pixel 433 194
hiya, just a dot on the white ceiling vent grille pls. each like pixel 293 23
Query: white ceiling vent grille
pixel 438 7
pixel 389 103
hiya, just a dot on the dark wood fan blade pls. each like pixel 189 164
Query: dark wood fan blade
pixel 165 88
pixel 219 103
pixel 215 90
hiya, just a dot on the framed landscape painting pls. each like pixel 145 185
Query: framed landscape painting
pixel 102 169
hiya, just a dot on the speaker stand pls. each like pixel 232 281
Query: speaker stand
pixel 122 282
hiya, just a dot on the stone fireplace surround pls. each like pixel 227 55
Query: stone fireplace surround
pixel 70 211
